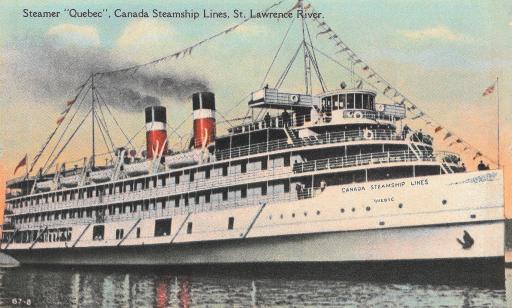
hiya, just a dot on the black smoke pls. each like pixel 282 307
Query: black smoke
pixel 53 72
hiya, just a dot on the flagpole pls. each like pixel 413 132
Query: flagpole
pixel 498 115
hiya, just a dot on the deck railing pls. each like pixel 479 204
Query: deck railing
pixel 363 159
pixel 328 138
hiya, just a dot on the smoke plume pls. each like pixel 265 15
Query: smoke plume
pixel 53 72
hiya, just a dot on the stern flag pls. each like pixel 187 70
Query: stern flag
pixel 22 163
pixel 489 90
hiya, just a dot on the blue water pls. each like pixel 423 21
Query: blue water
pixel 160 287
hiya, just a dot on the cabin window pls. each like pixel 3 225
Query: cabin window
pixel 207 174
pixel 163 204
pixel 186 200
pixel 189 228
pixel 196 199
pixel 98 232
pixel 350 101
pixel 177 179
pixel 231 223
pixel 335 102
pixel 366 103
pixel 163 227
pixel 191 176
pixel 243 192
pixel 343 98
pixel 138 232
pixel 119 234
pixel 224 195
pixel 359 101
pixel 207 197
pixel 264 190
pixel 286 187
pixel 225 171
pixel 177 202
pixel 287 161
pixel 243 168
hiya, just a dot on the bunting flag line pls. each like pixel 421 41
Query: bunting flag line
pixel 187 50
pixel 23 162
pixel 324 32
pixel 489 90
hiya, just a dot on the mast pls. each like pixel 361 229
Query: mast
pixel 498 115
pixel 93 115
pixel 307 61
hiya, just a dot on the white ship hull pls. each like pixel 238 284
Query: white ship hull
pixel 394 220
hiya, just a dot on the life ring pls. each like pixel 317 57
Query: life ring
pixel 350 114
pixel 358 114
pixel 368 134
pixel 294 98
pixel 380 108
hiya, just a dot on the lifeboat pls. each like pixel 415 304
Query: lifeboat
pixel 137 168
pixel 100 176
pixel 70 180
pixel 45 185
pixel 183 159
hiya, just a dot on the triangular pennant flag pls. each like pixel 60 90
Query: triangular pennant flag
pixel 371 75
pixel 366 68
pixel 324 32
pixel 477 155
pixel 307 6
pixel 386 89
pixel 438 129
pixel 489 90
pixel 59 120
pixel 448 135
pixel 22 163
pixel 71 102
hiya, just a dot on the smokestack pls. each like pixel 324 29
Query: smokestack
pixel 203 104
pixel 156 132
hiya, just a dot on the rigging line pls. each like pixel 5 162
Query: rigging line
pixel 424 113
pixel 104 122
pixel 100 126
pixel 287 69
pixel 115 120
pixel 188 49
pixel 277 53
pixel 134 136
pixel 226 120
pixel 43 147
pixel 67 142
pixel 65 129
pixel 315 61
pixel 237 104
pixel 104 128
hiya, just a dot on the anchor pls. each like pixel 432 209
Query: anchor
pixel 467 240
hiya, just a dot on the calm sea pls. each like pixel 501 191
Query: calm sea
pixel 160 287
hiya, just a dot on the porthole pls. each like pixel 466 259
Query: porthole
pixel 270 217
pixel 293 215
pixel 444 201
pixel 305 213
pixel 318 212
pixel 342 210
pixel 281 216
pixel 400 205
pixel 353 209
pixel 368 208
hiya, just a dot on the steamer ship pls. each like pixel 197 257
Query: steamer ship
pixel 322 178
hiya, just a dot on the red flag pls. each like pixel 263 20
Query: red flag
pixel 489 90
pixel 71 102
pixel 22 163
pixel 60 120
pixel 437 129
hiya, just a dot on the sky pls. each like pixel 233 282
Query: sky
pixel 440 54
